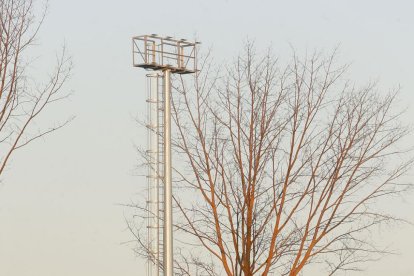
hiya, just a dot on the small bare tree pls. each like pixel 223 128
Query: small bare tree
pixel 278 168
pixel 22 100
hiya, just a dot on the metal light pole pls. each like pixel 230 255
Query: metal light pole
pixel 168 216
pixel 171 56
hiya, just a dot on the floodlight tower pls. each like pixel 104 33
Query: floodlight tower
pixel 168 56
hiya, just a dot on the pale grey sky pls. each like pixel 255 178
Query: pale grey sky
pixel 58 200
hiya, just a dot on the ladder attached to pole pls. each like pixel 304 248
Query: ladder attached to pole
pixel 155 177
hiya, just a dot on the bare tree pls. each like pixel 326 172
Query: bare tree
pixel 280 167
pixel 22 99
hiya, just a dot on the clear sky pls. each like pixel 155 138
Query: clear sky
pixel 59 200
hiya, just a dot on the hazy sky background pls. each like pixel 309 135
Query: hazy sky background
pixel 59 212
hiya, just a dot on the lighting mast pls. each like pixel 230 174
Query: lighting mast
pixel 165 56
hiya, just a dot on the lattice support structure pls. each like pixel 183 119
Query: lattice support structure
pixel 160 53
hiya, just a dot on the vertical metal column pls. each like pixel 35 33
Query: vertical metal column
pixel 168 230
